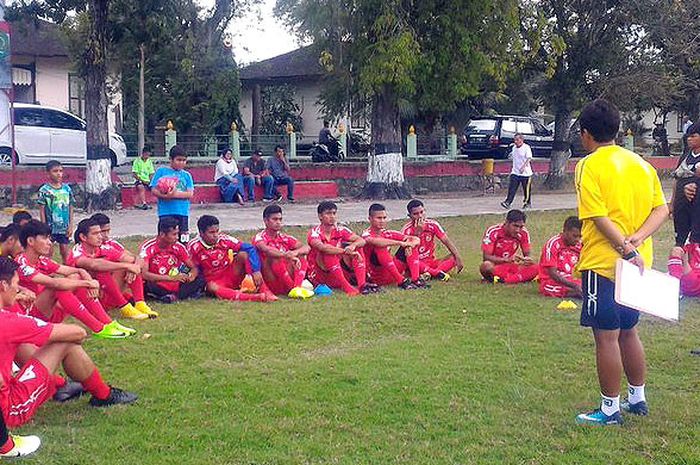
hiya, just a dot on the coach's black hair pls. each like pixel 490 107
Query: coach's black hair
pixel 205 222
pixel 693 129
pixel 32 229
pixel 8 267
pixel 101 219
pixel 167 224
pixel 572 222
pixel 515 215
pixel 271 210
pixel 51 164
pixel 278 147
pixel 177 151
pixel 21 215
pixel 147 148
pixel 83 228
pixel 325 206
pixel 11 230
pixel 601 119
pixel 376 207
pixel 415 203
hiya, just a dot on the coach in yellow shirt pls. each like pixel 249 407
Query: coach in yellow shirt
pixel 621 204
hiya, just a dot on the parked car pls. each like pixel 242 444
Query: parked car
pixel 44 133
pixel 492 136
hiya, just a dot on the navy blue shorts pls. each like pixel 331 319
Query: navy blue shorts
pixel 60 238
pixel 599 309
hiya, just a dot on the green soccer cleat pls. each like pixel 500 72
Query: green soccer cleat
pixel 24 446
pixel 125 329
pixel 111 331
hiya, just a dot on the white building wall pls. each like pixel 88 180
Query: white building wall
pixel 52 82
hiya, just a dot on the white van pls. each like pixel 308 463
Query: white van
pixel 45 133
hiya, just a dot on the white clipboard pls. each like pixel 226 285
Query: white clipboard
pixel 653 292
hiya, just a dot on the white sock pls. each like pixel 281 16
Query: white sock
pixel 610 405
pixel 636 394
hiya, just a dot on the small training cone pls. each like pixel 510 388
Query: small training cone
pixel 306 284
pixel 248 285
pixel 323 290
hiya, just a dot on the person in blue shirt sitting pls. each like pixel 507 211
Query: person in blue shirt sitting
pixel 278 167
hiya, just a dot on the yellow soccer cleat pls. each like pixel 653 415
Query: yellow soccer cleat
pixel 143 307
pixel 300 293
pixel 128 311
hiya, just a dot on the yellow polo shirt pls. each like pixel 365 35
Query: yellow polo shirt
pixel 619 184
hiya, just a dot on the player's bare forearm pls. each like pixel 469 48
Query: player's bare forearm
pixel 42 214
pixel 555 275
pixel 67 333
pixel 302 249
pixel 656 218
pixel 66 270
pixel 327 248
pixel 270 251
pixel 100 264
pixel 496 260
pixel 382 242
pixel 451 247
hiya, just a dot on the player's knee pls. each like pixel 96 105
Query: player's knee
pixel 487 268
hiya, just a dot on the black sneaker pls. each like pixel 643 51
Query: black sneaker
pixel 116 397
pixel 505 205
pixel 167 299
pixel 421 284
pixel 71 390
pixel 407 285
pixel 366 290
pixel 374 288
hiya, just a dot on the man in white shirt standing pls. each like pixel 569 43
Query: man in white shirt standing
pixel 521 174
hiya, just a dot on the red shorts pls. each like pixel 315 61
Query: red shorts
pixel 380 276
pixel 58 315
pixel 25 393
pixel 230 279
pixel 551 288
pixel 690 284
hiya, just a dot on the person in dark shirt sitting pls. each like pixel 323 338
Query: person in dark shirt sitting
pixel 255 172
pixel 278 166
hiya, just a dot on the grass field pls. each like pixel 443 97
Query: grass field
pixel 459 374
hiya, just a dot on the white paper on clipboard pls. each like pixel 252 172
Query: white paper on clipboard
pixel 653 292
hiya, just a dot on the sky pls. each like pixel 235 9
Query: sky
pixel 259 35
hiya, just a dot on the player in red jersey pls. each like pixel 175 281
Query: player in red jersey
pixel 102 263
pixel 500 245
pixel 40 348
pixel 167 268
pixel 427 230
pixel 383 268
pixel 684 264
pixel 336 257
pixel 283 257
pixel 558 260
pixel 225 261
pixel 73 289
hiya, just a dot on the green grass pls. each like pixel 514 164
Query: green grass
pixel 462 373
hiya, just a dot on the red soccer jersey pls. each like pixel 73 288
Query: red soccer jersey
pixel 339 235
pixel 384 233
pixel 27 271
pixel 556 254
pixel 79 251
pixel 282 242
pixel 113 248
pixel 161 261
pixel 497 242
pixel 214 259
pixel 16 329
pixel 431 231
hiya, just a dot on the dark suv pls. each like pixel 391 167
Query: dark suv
pixel 492 136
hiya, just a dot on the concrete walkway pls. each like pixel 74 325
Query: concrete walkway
pixel 236 218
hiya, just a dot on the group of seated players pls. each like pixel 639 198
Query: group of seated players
pixel 100 275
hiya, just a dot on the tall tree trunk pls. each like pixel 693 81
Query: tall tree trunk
pixel 385 177
pixel 98 181
pixel 142 98
pixel 561 149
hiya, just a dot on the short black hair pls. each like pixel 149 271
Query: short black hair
pixel 572 222
pixel 326 123
pixel 376 207
pixel 258 152
pixel 205 222
pixel 693 129
pixel 11 230
pixel 32 229
pixel 83 227
pixel 271 210
pixel 325 206
pixel 51 164
pixel 279 147
pixel 147 148
pixel 515 215
pixel 101 219
pixel 8 268
pixel 601 119
pixel 21 215
pixel 177 151
pixel 226 149
pixel 415 203
pixel 167 224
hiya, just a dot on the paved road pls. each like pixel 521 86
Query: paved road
pixel 235 218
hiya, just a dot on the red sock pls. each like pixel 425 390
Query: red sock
pixel 72 305
pixel 225 293
pixel 358 265
pixel 413 264
pixel 111 289
pixel 93 305
pixel 95 386
pixel 137 288
pixel 300 273
pixel 386 261
pixel 7 447
pixel 59 381
pixel 279 268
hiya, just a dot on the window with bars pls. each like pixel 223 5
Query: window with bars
pixel 76 95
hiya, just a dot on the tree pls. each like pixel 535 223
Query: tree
pixel 279 108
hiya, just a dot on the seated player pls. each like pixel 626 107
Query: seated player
pixel 383 268
pixel 500 245
pixel 684 264
pixel 225 261
pixel 283 257
pixel 40 348
pixel 427 230
pixel 336 256
pixel 9 241
pixel 21 217
pixel 101 263
pixel 167 268
pixel 61 290
pixel 558 260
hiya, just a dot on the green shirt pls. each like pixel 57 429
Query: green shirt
pixel 143 169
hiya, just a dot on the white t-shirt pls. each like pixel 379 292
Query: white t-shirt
pixel 224 168
pixel 521 160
